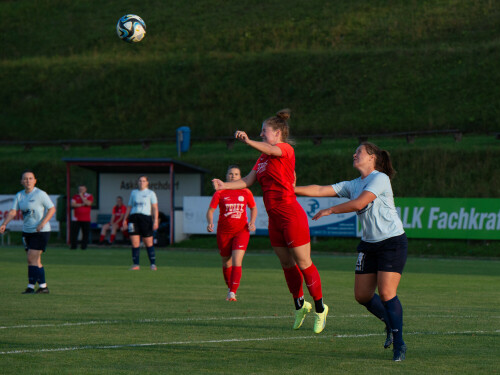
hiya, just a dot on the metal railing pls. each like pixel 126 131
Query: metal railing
pixel 317 139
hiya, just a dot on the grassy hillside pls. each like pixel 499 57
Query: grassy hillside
pixel 344 67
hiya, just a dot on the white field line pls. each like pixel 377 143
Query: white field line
pixel 258 339
pixel 173 320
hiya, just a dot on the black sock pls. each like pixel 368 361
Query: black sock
pixel 151 254
pixel 135 254
pixel 299 302
pixel 318 305
pixel 377 308
pixel 395 315
pixel 32 274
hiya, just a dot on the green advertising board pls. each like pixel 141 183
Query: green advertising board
pixel 450 218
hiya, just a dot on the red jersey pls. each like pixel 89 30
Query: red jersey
pixel 232 209
pixel 82 213
pixel 117 212
pixel 276 175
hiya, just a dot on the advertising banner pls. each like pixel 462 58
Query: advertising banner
pixel 445 218
pixel 450 218
pixel 16 225
pixel 343 225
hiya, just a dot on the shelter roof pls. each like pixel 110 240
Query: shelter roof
pixel 122 165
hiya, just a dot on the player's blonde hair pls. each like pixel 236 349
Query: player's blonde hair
pixel 279 122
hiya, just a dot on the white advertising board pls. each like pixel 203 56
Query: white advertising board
pixel 343 225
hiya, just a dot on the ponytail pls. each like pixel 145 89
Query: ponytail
pixel 383 161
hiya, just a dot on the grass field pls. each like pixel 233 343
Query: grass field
pixel 101 318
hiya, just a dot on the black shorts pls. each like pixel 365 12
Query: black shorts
pixel 388 255
pixel 140 225
pixel 36 241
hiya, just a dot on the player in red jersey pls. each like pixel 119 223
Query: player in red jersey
pixel 82 206
pixel 288 225
pixel 116 222
pixel 233 228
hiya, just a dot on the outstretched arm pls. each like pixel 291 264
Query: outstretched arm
pixel 316 191
pixel 242 183
pixel 365 198
pixel 263 147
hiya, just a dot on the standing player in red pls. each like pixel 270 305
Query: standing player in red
pixel 288 225
pixel 82 205
pixel 233 228
pixel 116 223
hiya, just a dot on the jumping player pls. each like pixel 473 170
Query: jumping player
pixel 233 228
pixel 383 247
pixel 37 209
pixel 288 226
pixel 143 210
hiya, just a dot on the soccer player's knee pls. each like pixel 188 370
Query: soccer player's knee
pixel 361 298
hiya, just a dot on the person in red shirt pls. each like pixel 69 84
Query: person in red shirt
pixel 288 225
pixel 82 205
pixel 233 228
pixel 117 215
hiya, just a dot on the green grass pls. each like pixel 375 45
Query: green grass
pixel 101 318
pixel 416 247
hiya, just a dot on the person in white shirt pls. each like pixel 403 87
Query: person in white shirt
pixel 143 221
pixel 37 210
pixel 382 251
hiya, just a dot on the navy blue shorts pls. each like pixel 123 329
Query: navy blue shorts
pixel 140 225
pixel 388 255
pixel 36 241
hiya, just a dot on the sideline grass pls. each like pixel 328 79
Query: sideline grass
pixel 102 318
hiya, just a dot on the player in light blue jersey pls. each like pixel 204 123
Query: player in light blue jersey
pixel 383 247
pixel 37 210
pixel 142 215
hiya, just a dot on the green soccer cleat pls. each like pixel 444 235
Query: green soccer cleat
pixel 320 320
pixel 300 314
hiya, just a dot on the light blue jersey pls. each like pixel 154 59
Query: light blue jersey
pixel 34 206
pixel 379 219
pixel 141 201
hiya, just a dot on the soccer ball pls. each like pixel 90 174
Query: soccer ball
pixel 131 28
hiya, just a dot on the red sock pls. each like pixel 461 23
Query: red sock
pixel 226 271
pixel 313 282
pixel 112 238
pixel 294 280
pixel 235 279
pixel 101 238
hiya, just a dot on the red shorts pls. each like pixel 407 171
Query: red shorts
pixel 288 226
pixel 227 242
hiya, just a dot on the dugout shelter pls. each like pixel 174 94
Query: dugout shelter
pixel 170 179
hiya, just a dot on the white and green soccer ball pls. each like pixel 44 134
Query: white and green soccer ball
pixel 131 28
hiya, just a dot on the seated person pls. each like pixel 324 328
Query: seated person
pixel 116 222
